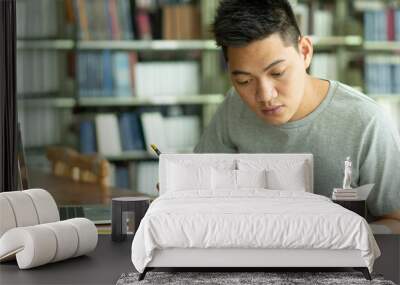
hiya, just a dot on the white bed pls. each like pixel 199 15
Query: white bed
pixel 200 223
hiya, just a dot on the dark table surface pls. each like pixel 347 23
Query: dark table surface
pixel 102 266
pixel 65 191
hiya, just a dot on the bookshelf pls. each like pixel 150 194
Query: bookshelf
pixel 341 49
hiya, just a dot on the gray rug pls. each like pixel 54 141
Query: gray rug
pixel 228 278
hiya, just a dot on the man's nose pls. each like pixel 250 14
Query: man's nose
pixel 265 92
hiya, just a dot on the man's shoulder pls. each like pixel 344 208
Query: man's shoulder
pixel 352 101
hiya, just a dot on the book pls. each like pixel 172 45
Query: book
pixel 87 136
pixel 153 130
pixel 130 131
pixel 107 134
pixel 122 74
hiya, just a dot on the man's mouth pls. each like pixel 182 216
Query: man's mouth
pixel 273 110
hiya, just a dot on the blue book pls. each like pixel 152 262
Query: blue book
pixel 368 25
pixel 137 132
pixel 122 74
pixel 87 135
pixel 122 177
pixel 126 133
pixel 395 78
pixel 107 74
pixel 81 71
pixel 127 21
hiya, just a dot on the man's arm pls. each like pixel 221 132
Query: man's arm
pixel 381 165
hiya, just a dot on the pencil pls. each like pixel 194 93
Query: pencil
pixel 156 150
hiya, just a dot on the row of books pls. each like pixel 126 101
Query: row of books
pixel 109 134
pixel 382 73
pixel 382 25
pixel 136 19
pixel 38 19
pixel 43 125
pixel 344 194
pixel 38 72
pixel 138 176
pixel 313 20
pixel 324 65
pixel 119 74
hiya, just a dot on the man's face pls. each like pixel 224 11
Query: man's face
pixel 270 78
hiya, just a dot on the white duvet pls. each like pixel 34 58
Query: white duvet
pixel 253 218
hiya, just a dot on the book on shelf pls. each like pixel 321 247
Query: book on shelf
pixel 119 74
pixel 381 23
pixel 131 132
pixel 87 137
pixel 46 23
pixel 324 65
pixel 43 125
pixel 133 19
pixel 103 19
pixel 177 78
pixel 170 134
pixel 137 176
pixel 31 82
pixel 113 135
pixel 312 20
pixel 381 73
pixel 105 73
pixel 107 134
pixel 122 74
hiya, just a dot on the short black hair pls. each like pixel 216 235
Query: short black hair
pixel 240 22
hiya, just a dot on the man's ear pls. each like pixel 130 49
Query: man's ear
pixel 306 50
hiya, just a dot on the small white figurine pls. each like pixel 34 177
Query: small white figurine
pixel 347 174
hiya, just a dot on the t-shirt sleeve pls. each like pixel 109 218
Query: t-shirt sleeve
pixel 381 165
pixel 215 138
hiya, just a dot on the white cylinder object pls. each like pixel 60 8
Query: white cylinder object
pixel 23 207
pixel 87 235
pixel 45 205
pixel 7 217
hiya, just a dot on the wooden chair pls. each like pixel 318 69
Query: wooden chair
pixel 67 162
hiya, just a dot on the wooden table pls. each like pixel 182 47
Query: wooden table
pixel 68 192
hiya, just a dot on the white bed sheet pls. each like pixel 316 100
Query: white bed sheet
pixel 252 218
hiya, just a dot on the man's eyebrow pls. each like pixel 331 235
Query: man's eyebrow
pixel 239 72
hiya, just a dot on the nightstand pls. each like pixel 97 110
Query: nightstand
pixel 357 206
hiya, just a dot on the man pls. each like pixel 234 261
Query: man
pixel 276 107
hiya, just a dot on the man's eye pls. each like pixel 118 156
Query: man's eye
pixel 277 74
pixel 243 82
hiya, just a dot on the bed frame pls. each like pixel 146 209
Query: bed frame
pixel 246 258
pixel 242 259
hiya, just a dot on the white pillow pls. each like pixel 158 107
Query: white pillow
pixel 294 180
pixel 251 178
pixel 223 179
pixel 281 174
pixel 181 177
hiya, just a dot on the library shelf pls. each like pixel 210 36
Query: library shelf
pixel 45 44
pixel 389 46
pixel 61 102
pixel 149 101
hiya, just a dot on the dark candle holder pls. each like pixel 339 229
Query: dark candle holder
pixel 127 212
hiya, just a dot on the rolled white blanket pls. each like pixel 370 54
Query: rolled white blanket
pixel 7 218
pixel 40 244
pixel 45 206
pixel 26 208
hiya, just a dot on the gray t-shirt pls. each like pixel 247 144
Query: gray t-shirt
pixel 346 123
